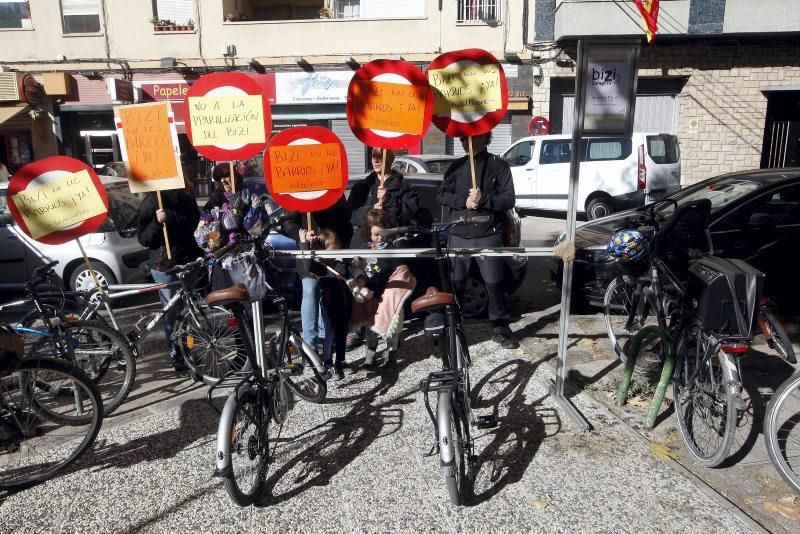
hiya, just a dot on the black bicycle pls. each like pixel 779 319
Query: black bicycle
pixel 443 325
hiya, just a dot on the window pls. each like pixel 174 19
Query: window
pixel 478 10
pixel 779 208
pixel 555 152
pixel 178 11
pixel 14 14
pixel 81 16
pixel 609 149
pixel 348 9
pixel 663 148
pixel 439 166
pixel 520 154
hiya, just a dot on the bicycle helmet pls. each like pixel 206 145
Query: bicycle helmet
pixel 627 245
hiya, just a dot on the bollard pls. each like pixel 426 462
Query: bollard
pixel 666 370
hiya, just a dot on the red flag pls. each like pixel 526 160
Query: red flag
pixel 648 9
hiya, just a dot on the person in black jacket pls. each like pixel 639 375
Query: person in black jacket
pixel 395 195
pixel 181 215
pixel 493 197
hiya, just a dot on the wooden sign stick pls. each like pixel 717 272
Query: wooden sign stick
pixel 472 164
pixel 164 227
pixel 308 220
pixel 232 178
pixel 383 165
pixel 90 266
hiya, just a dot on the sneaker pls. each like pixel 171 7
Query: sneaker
pixel 353 340
pixel 505 338
pixel 347 370
pixel 179 365
pixel 333 375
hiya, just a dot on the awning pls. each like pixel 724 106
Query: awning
pixel 9 111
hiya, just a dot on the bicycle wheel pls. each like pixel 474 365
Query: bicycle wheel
pixel 776 335
pixel 782 431
pixel 706 390
pixel 249 447
pixel 452 452
pixel 308 384
pixel 50 412
pixel 620 300
pixel 100 352
pixel 211 343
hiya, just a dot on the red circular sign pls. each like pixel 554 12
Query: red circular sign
pixel 30 89
pixel 539 125
pixel 42 172
pixel 389 104
pixel 233 116
pixel 472 77
pixel 305 168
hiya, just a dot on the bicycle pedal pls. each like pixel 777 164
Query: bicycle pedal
pixel 294 368
pixel 485 421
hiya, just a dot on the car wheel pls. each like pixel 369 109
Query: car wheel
pixel 476 298
pixel 599 207
pixel 81 278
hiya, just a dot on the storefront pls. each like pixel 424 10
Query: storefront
pixel 21 102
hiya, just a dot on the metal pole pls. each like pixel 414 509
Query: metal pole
pixel 557 387
pixel 258 335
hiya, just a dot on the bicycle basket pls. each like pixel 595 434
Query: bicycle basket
pixel 11 350
pixel 727 292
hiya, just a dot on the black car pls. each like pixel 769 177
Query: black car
pixel 755 216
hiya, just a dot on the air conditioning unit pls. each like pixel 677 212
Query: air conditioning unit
pixel 9 86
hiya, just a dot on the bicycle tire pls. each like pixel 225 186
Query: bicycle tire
pixel 100 352
pixel 210 343
pixel 23 422
pixel 617 303
pixel 451 443
pixel 310 386
pixel 249 448
pixel 710 395
pixel 780 341
pixel 778 435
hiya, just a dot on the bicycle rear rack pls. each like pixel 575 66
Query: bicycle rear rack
pixel 230 380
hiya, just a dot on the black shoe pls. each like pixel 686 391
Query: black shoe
pixel 391 360
pixel 179 365
pixel 505 339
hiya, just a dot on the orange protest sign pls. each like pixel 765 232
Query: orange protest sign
pixel 392 107
pixel 149 144
pixel 297 168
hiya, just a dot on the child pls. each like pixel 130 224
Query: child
pixel 389 280
pixel 336 302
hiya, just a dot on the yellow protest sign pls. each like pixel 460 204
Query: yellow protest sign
pixel 148 141
pixel 59 204
pixel 227 120
pixel 466 86
pixel 295 168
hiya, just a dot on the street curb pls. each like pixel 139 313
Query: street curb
pixel 696 481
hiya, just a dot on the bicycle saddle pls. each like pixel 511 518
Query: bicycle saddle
pixel 221 297
pixel 432 300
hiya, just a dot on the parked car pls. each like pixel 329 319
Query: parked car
pixel 616 173
pixel 115 168
pixel 114 250
pixel 755 216
pixel 423 163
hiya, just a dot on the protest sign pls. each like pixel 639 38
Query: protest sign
pixel 389 104
pixel 149 144
pixel 305 168
pixel 227 116
pixel 470 92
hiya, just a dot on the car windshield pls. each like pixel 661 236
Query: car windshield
pixel 438 166
pixel 123 210
pixel 720 192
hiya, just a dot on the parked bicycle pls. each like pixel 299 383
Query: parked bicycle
pixel 782 431
pixel 443 325
pixel 96 349
pixel 50 413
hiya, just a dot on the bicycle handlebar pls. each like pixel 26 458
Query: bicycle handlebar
pixel 402 230
pixel 186 266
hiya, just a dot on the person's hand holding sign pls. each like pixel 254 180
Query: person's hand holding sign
pixel 381 195
pixel 473 199
pixel 161 216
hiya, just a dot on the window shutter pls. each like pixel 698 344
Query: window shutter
pixel 179 11
pixel 80 7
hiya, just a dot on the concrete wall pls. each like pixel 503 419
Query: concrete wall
pixel 616 17
pixel 747 16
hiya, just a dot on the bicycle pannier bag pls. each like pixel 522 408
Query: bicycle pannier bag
pixel 727 292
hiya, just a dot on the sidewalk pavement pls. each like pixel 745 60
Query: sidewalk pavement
pixel 355 463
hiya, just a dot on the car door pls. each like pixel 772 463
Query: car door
pixel 523 170
pixel 13 263
pixel 552 175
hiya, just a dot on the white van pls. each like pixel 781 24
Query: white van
pixel 616 172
